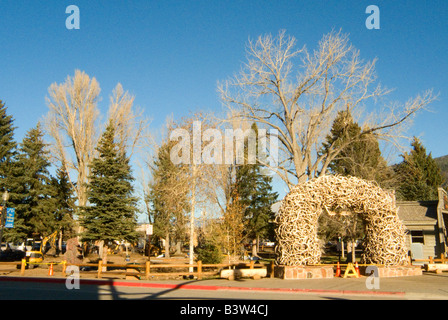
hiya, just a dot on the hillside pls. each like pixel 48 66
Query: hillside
pixel 442 162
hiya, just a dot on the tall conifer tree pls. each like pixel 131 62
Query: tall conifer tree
pixel 64 201
pixel 7 154
pixel 256 198
pixel 111 213
pixel 168 196
pixel 7 146
pixel 32 195
pixel 360 158
pixel 418 174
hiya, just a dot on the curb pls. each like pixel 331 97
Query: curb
pixel 204 287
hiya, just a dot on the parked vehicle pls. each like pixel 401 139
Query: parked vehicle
pixel 268 243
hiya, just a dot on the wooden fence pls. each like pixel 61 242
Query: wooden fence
pixel 142 271
pixel 431 260
pixel 149 270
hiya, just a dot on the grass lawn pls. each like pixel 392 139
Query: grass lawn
pixel 329 258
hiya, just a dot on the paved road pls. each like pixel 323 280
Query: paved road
pixel 430 286
pixel 58 291
pixel 262 297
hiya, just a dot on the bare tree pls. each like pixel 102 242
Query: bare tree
pixel 191 131
pixel 298 94
pixel 130 126
pixel 72 123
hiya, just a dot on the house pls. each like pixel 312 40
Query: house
pixel 426 223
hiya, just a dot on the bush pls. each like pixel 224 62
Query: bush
pixel 209 253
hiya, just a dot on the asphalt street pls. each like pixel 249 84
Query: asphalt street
pixel 427 286
pixel 58 291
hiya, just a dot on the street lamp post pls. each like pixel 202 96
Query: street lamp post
pixel 2 226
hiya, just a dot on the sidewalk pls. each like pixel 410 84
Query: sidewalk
pixel 427 286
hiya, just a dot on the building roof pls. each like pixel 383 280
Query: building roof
pixel 417 211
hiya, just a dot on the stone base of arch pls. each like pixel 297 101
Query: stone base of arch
pixel 328 272
pixel 396 271
pixel 304 272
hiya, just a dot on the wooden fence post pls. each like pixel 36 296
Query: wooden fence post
pixel 64 267
pixel 22 267
pixel 251 264
pixel 100 267
pixel 431 260
pixel 148 266
pixel 199 270
pixel 272 270
pixel 442 257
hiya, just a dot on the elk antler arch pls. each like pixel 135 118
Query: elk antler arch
pixel 297 220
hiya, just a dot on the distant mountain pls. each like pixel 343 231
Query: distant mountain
pixel 442 162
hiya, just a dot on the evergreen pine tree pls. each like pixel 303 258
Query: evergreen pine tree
pixel 7 146
pixel 256 197
pixel 360 158
pixel 168 197
pixel 418 175
pixel 7 156
pixel 32 195
pixel 111 213
pixel 64 201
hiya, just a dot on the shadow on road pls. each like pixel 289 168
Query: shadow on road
pixel 109 290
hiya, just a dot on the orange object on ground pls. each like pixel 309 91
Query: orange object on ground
pixel 338 270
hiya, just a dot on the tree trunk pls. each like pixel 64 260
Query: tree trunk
pixel 254 248
pixel 178 247
pixel 102 252
pixel 193 205
pixel 104 257
pixel 59 251
pixel 167 245
pixel 353 251
pixel 100 248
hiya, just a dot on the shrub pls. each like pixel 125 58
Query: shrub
pixel 209 253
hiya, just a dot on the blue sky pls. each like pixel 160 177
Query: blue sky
pixel 170 54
